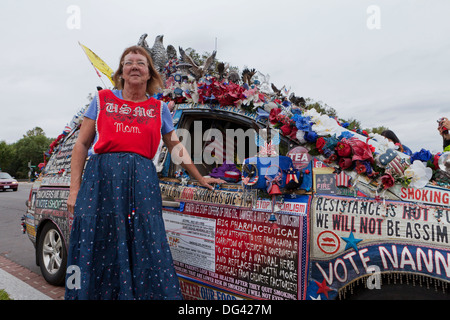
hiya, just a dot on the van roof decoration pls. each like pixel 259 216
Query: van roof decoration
pixel 192 79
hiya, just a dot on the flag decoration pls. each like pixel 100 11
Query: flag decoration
pixel 343 179
pixel 98 63
pixel 393 162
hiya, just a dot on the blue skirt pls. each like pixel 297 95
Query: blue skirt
pixel 118 240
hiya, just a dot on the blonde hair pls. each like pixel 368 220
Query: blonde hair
pixel 153 84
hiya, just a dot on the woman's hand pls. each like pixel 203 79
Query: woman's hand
pixel 206 182
pixel 445 123
pixel 71 200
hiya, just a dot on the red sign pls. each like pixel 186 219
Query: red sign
pixel 328 242
pixel 238 250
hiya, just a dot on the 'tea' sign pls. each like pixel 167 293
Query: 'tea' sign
pixel 300 157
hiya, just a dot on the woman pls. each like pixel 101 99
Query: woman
pixel 118 238
pixel 389 134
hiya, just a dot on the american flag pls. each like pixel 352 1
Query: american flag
pixel 398 165
pixel 343 180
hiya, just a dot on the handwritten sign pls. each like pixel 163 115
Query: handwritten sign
pixel 241 251
pixel 351 234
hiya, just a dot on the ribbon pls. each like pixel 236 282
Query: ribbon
pixel 271 181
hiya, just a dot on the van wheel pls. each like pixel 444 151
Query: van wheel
pixel 52 255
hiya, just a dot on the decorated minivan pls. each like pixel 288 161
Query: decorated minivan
pixel 310 210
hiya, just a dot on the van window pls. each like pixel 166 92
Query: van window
pixel 213 139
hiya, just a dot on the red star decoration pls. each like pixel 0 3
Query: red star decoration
pixel 323 288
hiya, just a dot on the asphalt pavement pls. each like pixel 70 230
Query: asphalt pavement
pixel 19 275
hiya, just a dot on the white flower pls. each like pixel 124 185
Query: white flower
pixel 313 114
pixel 301 136
pixel 419 174
pixel 324 125
pixel 381 143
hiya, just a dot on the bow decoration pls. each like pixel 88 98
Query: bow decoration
pixel 273 184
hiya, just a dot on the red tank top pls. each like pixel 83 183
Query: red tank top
pixel 126 126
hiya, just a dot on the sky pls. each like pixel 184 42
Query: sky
pixel 384 63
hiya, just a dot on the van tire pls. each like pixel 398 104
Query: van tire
pixel 52 254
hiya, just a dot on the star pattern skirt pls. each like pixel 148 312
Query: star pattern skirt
pixel 118 240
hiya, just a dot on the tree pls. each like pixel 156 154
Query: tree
pixel 6 156
pixel 30 148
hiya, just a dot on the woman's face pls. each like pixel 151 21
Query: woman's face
pixel 135 69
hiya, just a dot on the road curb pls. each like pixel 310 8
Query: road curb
pixel 23 284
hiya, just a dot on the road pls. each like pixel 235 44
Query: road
pixel 15 245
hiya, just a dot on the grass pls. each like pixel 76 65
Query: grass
pixel 4 295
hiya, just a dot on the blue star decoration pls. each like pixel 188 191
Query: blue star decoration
pixel 351 242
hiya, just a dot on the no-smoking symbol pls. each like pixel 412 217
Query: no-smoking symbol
pixel 328 242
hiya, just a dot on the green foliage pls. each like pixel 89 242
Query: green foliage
pixel 378 130
pixel 14 157
pixel 353 124
pixel 321 108
pixel 4 295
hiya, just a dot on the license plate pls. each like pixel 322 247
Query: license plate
pixel 6 187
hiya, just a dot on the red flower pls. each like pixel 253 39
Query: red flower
pixel 387 180
pixel 273 116
pixel 286 129
pixel 293 134
pixel 343 149
pixel 320 143
pixel 331 159
pixel 360 167
pixel 435 164
pixel 345 163
pixel 361 150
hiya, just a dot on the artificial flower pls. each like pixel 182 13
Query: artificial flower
pixel 343 149
pixel 360 167
pixel 369 169
pixel 273 116
pixel 312 114
pixel 422 155
pixel 345 135
pixel 320 144
pixel 360 150
pixel 286 130
pixel 293 133
pixel 332 158
pixel 418 174
pixel 300 136
pixel 435 162
pixel 324 125
pixel 331 142
pixel 345 163
pixel 301 122
pixel 387 181
pixel 311 136
pixel 381 143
